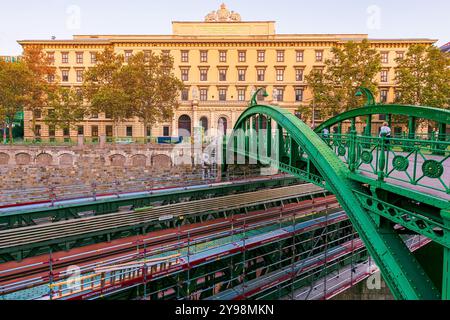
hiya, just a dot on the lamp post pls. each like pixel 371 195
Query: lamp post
pixel 254 100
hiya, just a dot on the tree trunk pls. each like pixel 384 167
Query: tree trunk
pixel 33 125
pixel 145 130
pixel 10 133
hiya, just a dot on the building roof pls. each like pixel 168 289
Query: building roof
pixel 219 26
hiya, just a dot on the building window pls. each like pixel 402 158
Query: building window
pixel 204 123
pixel 203 74
pixel 94 131
pixel 300 55
pixel 147 55
pixel 51 78
pixel 279 94
pixel 261 74
pixel 37 114
pixel 222 56
pixel 184 56
pixel 280 55
pixel 51 131
pixel 222 125
pixel 241 94
pixel 400 55
pixel 93 57
pixel 398 95
pixel 241 74
pixel 185 94
pixel 51 57
pixel 222 94
pixel 66 132
pixel 261 56
pixel 128 55
pixel 65 75
pixel 184 126
pixel 109 130
pixel 37 130
pixel 317 70
pixel 79 57
pixel 280 74
pixel 185 74
pixel 203 94
pixel 64 57
pixel 222 75
pixel 129 131
pixel 385 57
pixel 166 131
pixel 203 56
pixel 80 130
pixel 165 53
pixel 384 76
pixel 299 75
pixel 299 95
pixel 319 55
pixel 80 75
pixel 242 56
pixel 383 96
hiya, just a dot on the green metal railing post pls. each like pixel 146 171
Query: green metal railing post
pixel 368 131
pixel 382 159
pixel 445 214
pixel 352 147
pixel 411 128
pixel 280 142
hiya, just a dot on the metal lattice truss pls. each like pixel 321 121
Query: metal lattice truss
pixel 383 184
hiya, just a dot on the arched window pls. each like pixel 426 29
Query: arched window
pixel 223 125
pixel 184 126
pixel 204 123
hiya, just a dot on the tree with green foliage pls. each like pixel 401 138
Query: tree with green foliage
pixel 65 108
pixel 352 65
pixel 144 87
pixel 103 89
pixel 15 84
pixel 152 87
pixel 423 77
pixel 39 64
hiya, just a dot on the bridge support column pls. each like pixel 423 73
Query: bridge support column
pixel 260 138
pixel 445 214
pixel 269 137
pixel 280 143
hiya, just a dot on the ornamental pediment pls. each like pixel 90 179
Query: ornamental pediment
pixel 223 15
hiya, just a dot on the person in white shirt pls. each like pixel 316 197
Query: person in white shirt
pixel 385 130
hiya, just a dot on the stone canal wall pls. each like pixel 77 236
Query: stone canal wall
pixel 35 172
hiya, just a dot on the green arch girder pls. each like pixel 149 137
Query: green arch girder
pixel 435 114
pixel 405 277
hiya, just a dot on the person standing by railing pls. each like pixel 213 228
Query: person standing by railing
pixel 385 131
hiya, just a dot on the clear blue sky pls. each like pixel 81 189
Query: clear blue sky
pixel 40 19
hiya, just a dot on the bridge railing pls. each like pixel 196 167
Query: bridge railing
pixel 420 162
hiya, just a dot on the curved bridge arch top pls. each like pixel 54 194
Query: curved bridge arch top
pixel 404 276
pixel 435 114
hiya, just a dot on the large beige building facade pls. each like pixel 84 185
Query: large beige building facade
pixel 221 60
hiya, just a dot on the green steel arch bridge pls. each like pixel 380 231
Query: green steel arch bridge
pixel 388 186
